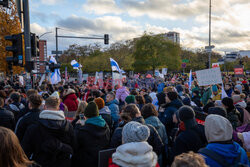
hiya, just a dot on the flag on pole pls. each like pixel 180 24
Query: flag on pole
pixel 114 65
pixel 55 76
pixel 190 80
pixel 223 92
pixel 75 64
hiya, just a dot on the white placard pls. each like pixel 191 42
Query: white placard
pixel 209 76
pixel 21 81
pixel 164 71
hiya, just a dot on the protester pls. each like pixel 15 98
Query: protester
pixel 31 117
pixel 140 101
pixel 135 151
pixel 121 93
pixel 11 153
pixel 7 118
pixel 15 106
pixel 221 150
pixel 80 110
pixel 91 137
pixel 113 106
pixel 70 100
pixel 50 142
pixel 130 100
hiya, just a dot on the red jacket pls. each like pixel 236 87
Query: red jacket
pixel 71 102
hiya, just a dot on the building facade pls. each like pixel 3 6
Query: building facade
pixel 172 36
pixel 40 66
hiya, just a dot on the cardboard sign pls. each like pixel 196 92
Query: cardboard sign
pixel 210 76
pixel 238 71
pixel 117 79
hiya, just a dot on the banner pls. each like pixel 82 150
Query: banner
pixel 164 71
pixel 238 71
pixel 100 79
pixel 210 76
pixel 157 73
pixel 215 65
pixel 85 77
pixel 117 79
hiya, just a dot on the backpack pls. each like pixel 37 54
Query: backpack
pixel 56 152
pixel 221 160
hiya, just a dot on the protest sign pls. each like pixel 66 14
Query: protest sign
pixel 210 76
pixel 238 71
pixel 117 79
pixel 164 71
pixel 85 77
pixel 100 79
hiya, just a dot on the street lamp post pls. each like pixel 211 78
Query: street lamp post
pixel 209 59
pixel 45 34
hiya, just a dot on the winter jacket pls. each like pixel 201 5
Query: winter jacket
pixel 166 117
pixel 71 102
pixel 50 142
pixel 206 95
pixel 234 117
pixel 106 115
pixel 192 139
pixel 154 139
pixel 90 139
pixel 228 151
pixel 135 154
pixel 7 119
pixel 197 101
pixel 229 92
pixel 15 108
pixel 156 123
pixel 24 122
pixel 122 93
pixel 148 99
pixel 114 108
pixel 160 87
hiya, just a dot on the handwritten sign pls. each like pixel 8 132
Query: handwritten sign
pixel 209 76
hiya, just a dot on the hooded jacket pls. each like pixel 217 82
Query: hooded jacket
pixel 135 154
pixel 114 108
pixel 154 139
pixel 90 139
pixel 15 108
pixel 71 100
pixel 122 93
pixel 38 144
pixel 106 115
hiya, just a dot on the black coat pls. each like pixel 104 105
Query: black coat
pixel 24 122
pixel 154 139
pixel 108 119
pixel 90 139
pixel 189 140
pixel 38 142
pixel 7 119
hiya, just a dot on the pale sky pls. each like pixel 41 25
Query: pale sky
pixel 127 19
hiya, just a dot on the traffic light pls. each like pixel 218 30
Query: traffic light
pixel 106 39
pixel 34 45
pixel 5 3
pixel 16 49
pixel 53 66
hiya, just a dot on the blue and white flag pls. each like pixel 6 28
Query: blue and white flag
pixel 190 80
pixel 114 65
pixel 75 64
pixel 55 76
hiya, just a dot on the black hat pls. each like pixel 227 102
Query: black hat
pixel 186 113
pixel 161 98
pixel 227 101
pixel 172 95
pixel 187 101
pixel 218 111
pixel 91 110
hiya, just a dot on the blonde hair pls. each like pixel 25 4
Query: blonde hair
pixel 81 107
pixel 52 102
pixel 190 159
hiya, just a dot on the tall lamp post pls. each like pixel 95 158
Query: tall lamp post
pixel 45 34
pixel 210 33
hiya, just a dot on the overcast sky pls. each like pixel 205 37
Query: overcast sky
pixel 126 19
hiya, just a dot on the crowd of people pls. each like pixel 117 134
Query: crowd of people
pixel 164 123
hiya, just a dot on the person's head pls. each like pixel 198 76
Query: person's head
pixel 99 102
pixel 11 152
pixel 95 94
pixel 91 110
pixel 187 101
pixel 3 94
pixel 227 86
pixel 140 99
pixel 187 115
pixel 35 101
pixel 81 107
pixel 148 110
pixel 110 97
pixel 171 96
pixel 218 129
pixel 1 102
pixel 236 98
pixel 168 89
pixel 217 110
pixel 131 111
pixel 134 92
pixel 228 103
pixel 31 92
pixel 196 93
pixel 190 159
pixel 130 99
pixel 15 97
pixel 215 89
pixel 207 106
pixel 135 132
pixel 238 88
pixel 52 103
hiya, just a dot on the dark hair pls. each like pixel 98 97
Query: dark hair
pixel 140 99
pixel 11 152
pixel 172 95
pixel 3 94
pixel 31 92
pixel 218 111
pixel 148 110
pixel 134 92
pixel 112 94
pixel 96 93
pixel 35 100
pixel 1 102
pixel 227 101
pixel 131 110
pixel 15 96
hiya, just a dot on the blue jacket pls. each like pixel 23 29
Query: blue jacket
pixel 160 87
pixel 228 151
pixel 114 108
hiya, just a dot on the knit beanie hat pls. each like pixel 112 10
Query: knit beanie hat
pixel 172 95
pixel 187 101
pixel 186 113
pixel 239 87
pixel 130 99
pixel 227 101
pixel 161 98
pixel 135 132
pixel 218 128
pixel 91 110
pixel 99 102
pixel 217 110
pixel 214 88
